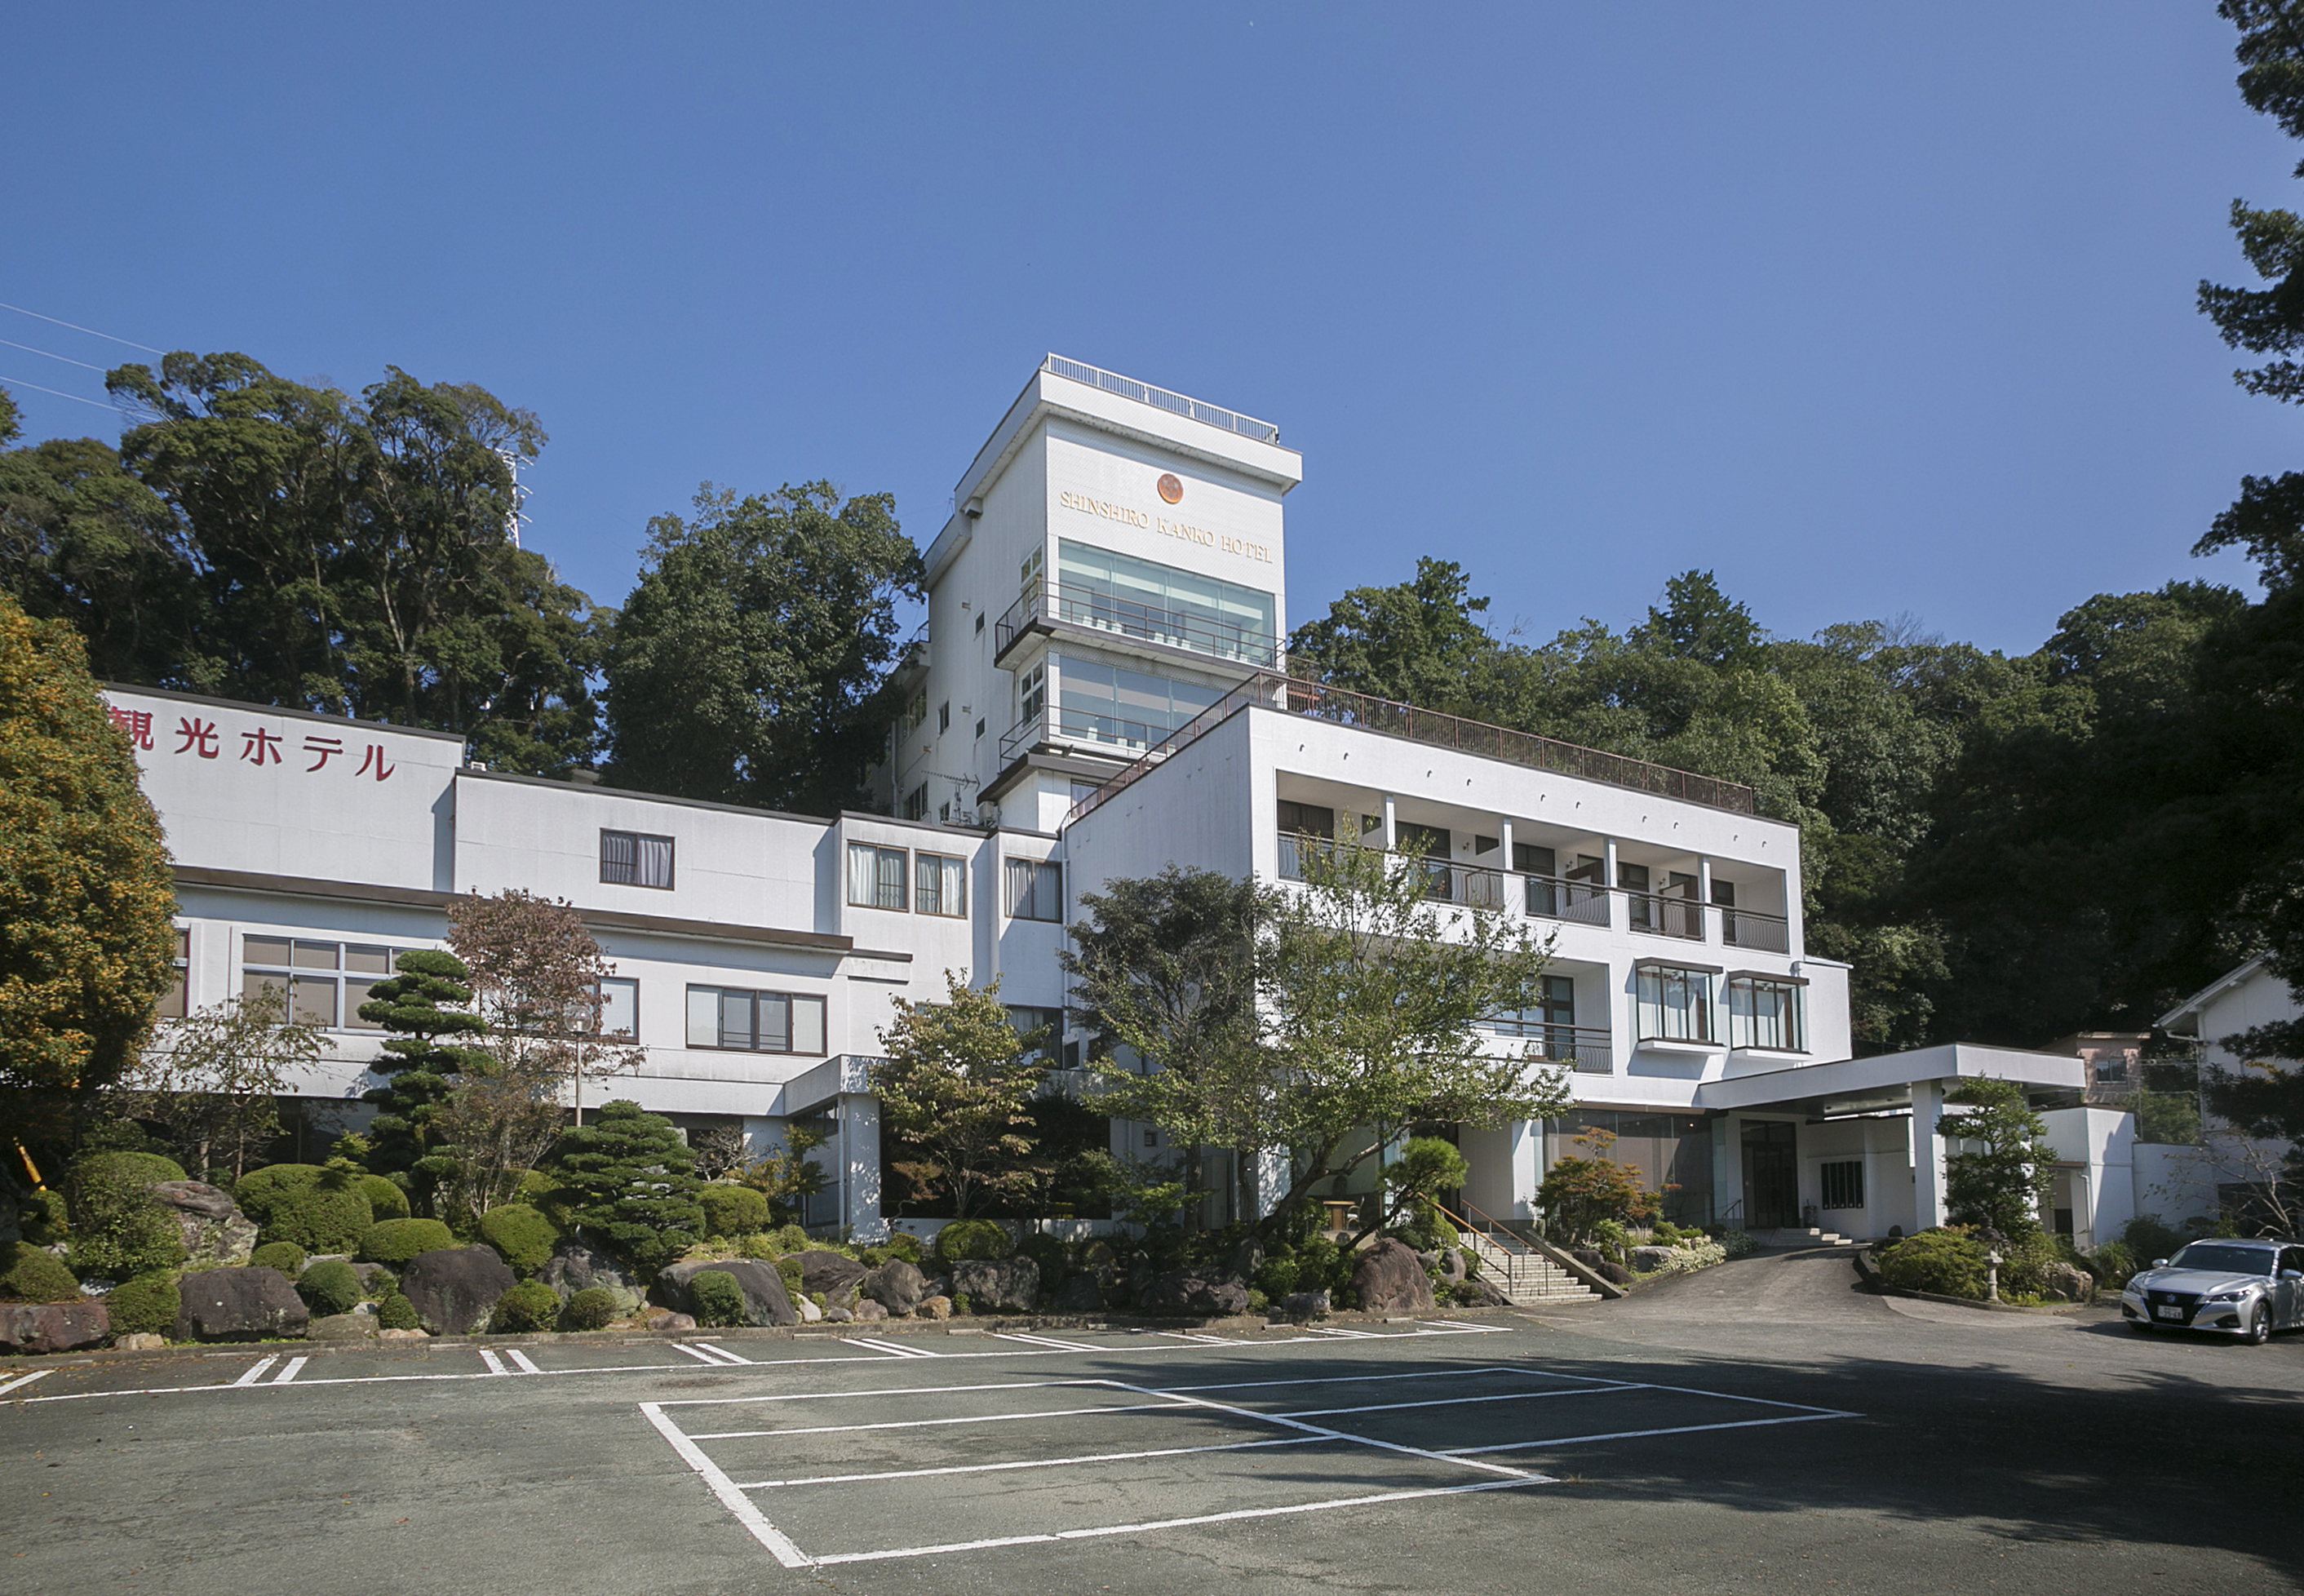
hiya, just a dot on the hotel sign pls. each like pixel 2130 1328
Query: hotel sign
pixel 1184 531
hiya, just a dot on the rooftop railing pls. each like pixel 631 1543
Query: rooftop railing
pixel 1293 696
pixel 1144 393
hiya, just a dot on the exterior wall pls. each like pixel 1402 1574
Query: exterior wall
pixel 1883 1146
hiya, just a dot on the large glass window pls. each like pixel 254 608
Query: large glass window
pixel 1163 604
pixel 875 876
pixel 1035 889
pixel 1842 1181
pixel 744 1021
pixel 1674 1004
pixel 1114 704
pixel 1766 1013
pixel 325 983
pixel 174 1001
pixel 942 883
pixel 620 1007
pixel 636 859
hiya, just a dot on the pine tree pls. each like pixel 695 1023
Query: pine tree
pixel 632 1183
pixel 421 1006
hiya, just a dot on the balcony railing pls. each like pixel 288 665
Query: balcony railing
pixel 1128 617
pixel 1585 1048
pixel 1551 897
pixel 1144 393
pixel 1745 928
pixel 1132 737
pixel 1662 915
pixel 1294 697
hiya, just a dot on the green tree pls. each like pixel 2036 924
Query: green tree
pixel 1164 980
pixel 1583 1189
pixel 211 1080
pixel 2002 1181
pixel 1421 642
pixel 748 665
pixel 1371 998
pixel 87 904
pixel 788 1177
pixel 426 1008
pixel 629 1180
pixel 956 1085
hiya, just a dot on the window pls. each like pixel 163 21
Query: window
pixel 620 1008
pixel 979 622
pixel 1534 859
pixel 1674 1004
pixel 636 859
pixel 944 814
pixel 1082 790
pixel 916 710
pixel 1843 1183
pixel 943 718
pixel 750 1021
pixel 943 885
pixel 1310 819
pixel 1764 1012
pixel 1049 1022
pixel 1032 692
pixel 1028 573
pixel 979 726
pixel 325 982
pixel 173 1001
pixel 1114 704
pixel 1036 889
pixel 875 876
pixel 1162 603
pixel 915 802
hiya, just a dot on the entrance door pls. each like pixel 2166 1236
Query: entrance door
pixel 1771 1175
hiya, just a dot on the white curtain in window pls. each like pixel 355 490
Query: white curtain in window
pixel 655 862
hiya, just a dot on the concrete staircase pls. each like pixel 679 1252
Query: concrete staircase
pixel 1794 1237
pixel 1527 1277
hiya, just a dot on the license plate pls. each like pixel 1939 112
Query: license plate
pixel 2167 1311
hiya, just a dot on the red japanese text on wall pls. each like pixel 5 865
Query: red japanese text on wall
pixel 200 738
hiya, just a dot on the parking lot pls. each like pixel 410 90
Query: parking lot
pixel 1705 1437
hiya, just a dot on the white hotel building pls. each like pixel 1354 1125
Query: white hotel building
pixel 1095 696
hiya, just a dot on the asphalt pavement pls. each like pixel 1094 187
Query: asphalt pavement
pixel 1763 1425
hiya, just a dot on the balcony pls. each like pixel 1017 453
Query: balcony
pixel 1122 737
pixel 1746 928
pixel 1551 897
pixel 1586 1049
pixel 1542 897
pixel 1039 609
pixel 1664 914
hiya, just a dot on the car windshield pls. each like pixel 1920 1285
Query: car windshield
pixel 2224 1259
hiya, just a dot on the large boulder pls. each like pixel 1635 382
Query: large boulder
pixel 766 1299
pixel 896 1286
pixel 1389 1278
pixel 1646 1260
pixel 2067 1284
pixel 574 1267
pixel 1306 1304
pixel 1490 1293
pixel 830 1273
pixel 239 1304
pixel 1203 1291
pixel 52 1327
pixel 998 1284
pixel 217 1233
pixel 1080 1293
pixel 452 1288
pixel 344 1327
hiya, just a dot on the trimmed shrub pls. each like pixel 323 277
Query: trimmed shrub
pixel 1941 1261
pixel 261 1191
pixel 904 1245
pixel 329 1287
pixel 1277 1277
pixel 523 1238
pixel 134 1168
pixel 960 1305
pixel 396 1240
pixel 964 1239
pixel 32 1276
pixel 396 1312
pixel 788 1270
pixel 2113 1264
pixel 590 1309
pixel 731 1209
pixel 530 1306
pixel 118 1230
pixel 46 1217
pixel 385 1198
pixel 320 1210
pixel 787 1239
pixel 145 1306
pixel 715 1299
pixel 286 1257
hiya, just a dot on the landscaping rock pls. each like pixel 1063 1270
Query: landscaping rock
pixel 766 1301
pixel 1247 1259
pixel 1100 1260
pixel 239 1304
pixel 141 1341
pixel 1646 1260
pixel 938 1306
pixel 52 1326
pixel 375 1279
pixel 343 1326
pixel 837 1315
pixel 1306 1304
pixel 866 1311
pixel 1205 1291
pixel 2067 1284
pixel 809 1314
pixel 452 1288
pixel 896 1286
pixel 1615 1274
pixel 1080 1293
pixel 830 1273
pixel 663 1321
pixel 1451 1265
pixel 574 1267
pixel 1489 1294
pixel 1389 1279
pixel 998 1284
pixel 217 1233
pixel 1591 1258
pixel 417 1335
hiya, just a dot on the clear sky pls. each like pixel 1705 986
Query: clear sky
pixel 1874 310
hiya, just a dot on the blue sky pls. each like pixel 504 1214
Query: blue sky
pixel 1872 309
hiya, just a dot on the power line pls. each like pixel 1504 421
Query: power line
pixel 75 327
pixel 66 359
pixel 59 393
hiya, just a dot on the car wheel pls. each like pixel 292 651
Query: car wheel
pixel 2260 1326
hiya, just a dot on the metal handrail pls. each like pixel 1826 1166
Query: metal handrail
pixel 1075 723
pixel 1588 1050
pixel 1556 898
pixel 1126 617
pixel 1144 393
pixel 1750 928
pixel 1666 914
pixel 1293 696
pixel 1528 1240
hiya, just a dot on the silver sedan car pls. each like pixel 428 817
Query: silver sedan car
pixel 2229 1287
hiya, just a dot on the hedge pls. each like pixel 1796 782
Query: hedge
pixel 260 1191
pixel 715 1299
pixel 396 1240
pixel 140 1168
pixel 330 1286
pixel 32 1276
pixel 964 1239
pixel 286 1257
pixel 532 1305
pixel 590 1309
pixel 1941 1261
pixel 523 1238
pixel 306 1204
pixel 383 1196
pixel 145 1306
pixel 733 1210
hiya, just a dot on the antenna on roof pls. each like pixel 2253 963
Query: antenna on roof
pixel 513 517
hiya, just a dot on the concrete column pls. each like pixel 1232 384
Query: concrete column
pixel 1728 1165
pixel 859 1168
pixel 1504 840
pixel 1927 1155
pixel 1619 915
pixel 1706 919
pixel 1391 824
pixel 1527 1167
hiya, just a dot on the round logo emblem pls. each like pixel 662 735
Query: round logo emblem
pixel 1171 489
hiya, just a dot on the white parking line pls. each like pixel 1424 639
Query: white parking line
pixel 25 1380
pixel 527 1365
pixel 1045 1341
pixel 253 1375
pixel 288 1373
pixel 1052 1412
pixel 1622 1435
pixel 723 1352
pixel 699 1353
pixel 753 1520
pixel 1035 1462
pixel 1385 1407
pixel 494 1363
pixel 890 1347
